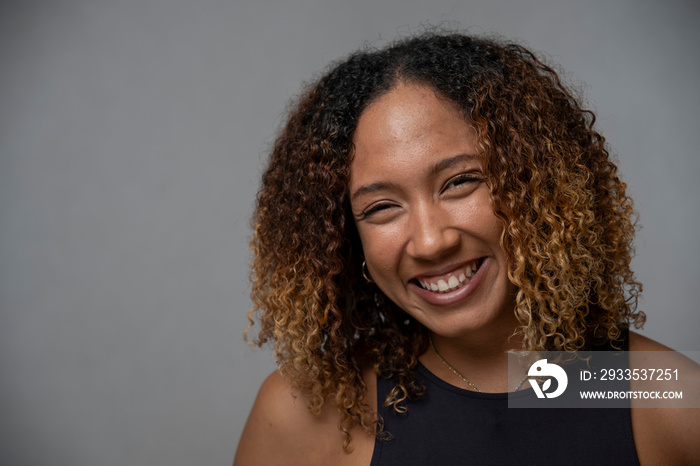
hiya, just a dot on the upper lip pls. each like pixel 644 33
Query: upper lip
pixel 444 270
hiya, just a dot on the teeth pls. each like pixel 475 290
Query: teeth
pixel 452 282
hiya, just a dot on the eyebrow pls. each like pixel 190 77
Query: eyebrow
pixel 372 188
pixel 434 170
pixel 450 161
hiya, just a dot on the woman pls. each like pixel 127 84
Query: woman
pixel 427 208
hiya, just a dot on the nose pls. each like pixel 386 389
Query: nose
pixel 431 234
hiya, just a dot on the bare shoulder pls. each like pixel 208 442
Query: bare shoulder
pixel 667 435
pixel 281 430
pixel 639 342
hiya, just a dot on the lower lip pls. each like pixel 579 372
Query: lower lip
pixel 456 296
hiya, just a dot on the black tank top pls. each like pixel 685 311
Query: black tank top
pixel 452 426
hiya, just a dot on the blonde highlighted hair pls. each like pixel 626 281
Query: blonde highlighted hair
pixel 568 224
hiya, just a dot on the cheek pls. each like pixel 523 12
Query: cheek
pixel 493 229
pixel 483 220
pixel 381 248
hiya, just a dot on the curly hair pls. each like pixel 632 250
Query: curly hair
pixel 568 224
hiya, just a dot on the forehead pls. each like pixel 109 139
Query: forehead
pixel 405 109
pixel 409 127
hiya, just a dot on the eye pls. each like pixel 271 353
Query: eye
pixel 375 209
pixel 462 179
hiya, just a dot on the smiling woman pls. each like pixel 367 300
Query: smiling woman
pixel 422 208
pixel 428 208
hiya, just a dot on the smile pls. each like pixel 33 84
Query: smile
pixel 451 281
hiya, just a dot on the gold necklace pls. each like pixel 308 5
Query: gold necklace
pixel 469 382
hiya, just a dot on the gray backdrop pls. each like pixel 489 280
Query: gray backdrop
pixel 132 135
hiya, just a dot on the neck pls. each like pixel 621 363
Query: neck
pixel 481 358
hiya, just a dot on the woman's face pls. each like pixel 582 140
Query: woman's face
pixel 422 209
